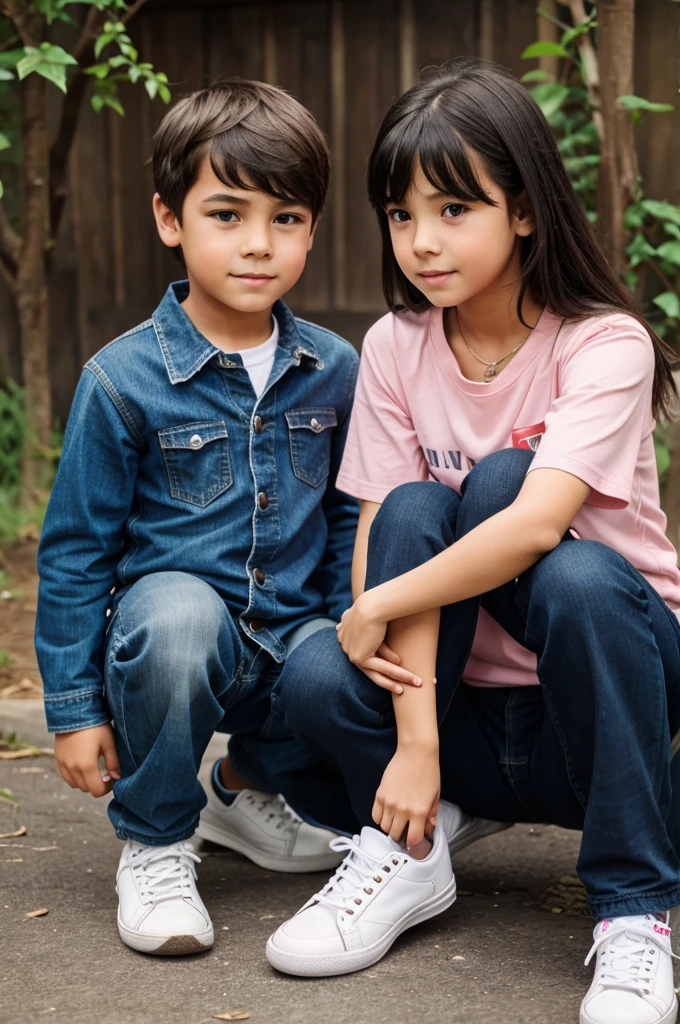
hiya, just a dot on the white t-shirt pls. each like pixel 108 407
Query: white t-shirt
pixel 258 361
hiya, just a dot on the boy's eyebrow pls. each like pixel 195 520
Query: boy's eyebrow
pixel 225 197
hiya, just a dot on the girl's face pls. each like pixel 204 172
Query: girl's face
pixel 453 251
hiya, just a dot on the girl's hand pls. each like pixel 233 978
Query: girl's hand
pixel 409 795
pixel 362 639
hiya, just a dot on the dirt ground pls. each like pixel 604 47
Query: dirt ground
pixel 19 675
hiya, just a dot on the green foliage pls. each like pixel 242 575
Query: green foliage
pixel 53 62
pixel 654 225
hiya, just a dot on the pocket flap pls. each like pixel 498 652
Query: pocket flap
pixel 192 435
pixel 315 420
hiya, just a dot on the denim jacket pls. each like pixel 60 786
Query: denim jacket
pixel 171 463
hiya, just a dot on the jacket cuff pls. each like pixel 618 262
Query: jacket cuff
pixel 68 712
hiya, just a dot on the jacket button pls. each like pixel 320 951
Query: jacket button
pixel 257 423
pixel 263 500
pixel 259 576
pixel 315 425
pixel 195 440
pixel 256 626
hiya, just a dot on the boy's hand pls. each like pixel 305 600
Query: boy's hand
pixel 409 795
pixel 77 756
pixel 362 641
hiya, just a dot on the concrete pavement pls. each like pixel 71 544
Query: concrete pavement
pixel 496 956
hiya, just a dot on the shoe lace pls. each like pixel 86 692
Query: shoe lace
pixel 628 958
pixel 165 872
pixel 274 808
pixel 357 873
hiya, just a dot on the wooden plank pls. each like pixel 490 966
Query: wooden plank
pixel 371 85
pixel 443 33
pixel 657 74
pixel 234 37
pixel 514 28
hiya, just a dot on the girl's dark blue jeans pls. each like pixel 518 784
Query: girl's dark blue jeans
pixel 590 748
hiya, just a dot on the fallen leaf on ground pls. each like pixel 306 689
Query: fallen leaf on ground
pixel 8 797
pixel 37 913
pixel 233 1015
pixel 12 835
pixel 41 849
pixel 14 860
pixel 31 771
pixel 267 917
pixel 14 755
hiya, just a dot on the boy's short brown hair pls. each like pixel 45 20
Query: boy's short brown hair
pixel 255 134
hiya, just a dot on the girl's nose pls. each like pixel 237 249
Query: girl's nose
pixel 425 242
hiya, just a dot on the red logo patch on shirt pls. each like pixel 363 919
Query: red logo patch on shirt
pixel 661 931
pixel 528 438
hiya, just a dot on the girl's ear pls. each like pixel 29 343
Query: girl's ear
pixel 523 216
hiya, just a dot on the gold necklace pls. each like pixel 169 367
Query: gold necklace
pixel 490 371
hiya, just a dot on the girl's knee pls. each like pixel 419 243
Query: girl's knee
pixel 492 485
pixel 416 506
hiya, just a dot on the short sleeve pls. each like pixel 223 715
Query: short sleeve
pixel 595 427
pixel 382 449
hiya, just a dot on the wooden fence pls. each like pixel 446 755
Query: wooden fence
pixel 346 60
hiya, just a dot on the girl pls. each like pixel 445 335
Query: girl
pixel 513 553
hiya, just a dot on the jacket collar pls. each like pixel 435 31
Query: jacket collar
pixel 185 350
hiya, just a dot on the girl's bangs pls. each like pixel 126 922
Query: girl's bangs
pixel 443 156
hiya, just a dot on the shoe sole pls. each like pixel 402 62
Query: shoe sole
pixel 346 963
pixel 270 861
pixel 669 1018
pixel 478 828
pixel 166 945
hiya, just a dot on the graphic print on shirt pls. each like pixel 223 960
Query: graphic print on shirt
pixel 528 438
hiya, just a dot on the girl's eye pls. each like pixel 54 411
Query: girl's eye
pixel 399 216
pixel 225 216
pixel 454 209
pixel 287 218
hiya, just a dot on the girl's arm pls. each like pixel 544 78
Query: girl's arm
pixel 495 552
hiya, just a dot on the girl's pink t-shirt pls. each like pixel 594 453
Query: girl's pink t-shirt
pixel 578 394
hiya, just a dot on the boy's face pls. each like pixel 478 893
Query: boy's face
pixel 242 248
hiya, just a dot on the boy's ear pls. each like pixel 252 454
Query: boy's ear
pixel 523 216
pixel 166 222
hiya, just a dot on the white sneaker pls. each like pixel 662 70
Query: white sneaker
pixel 633 981
pixel 378 892
pixel 159 908
pixel 266 830
pixel 461 830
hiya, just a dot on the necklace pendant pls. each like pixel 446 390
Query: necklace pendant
pixel 489 374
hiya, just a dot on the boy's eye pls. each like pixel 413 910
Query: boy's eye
pixel 287 218
pixel 454 209
pixel 225 216
pixel 399 216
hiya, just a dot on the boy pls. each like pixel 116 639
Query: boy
pixel 196 507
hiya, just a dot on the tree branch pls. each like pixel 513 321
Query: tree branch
pixel 591 70
pixel 73 101
pixel 10 243
pixel 9 44
pixel 27 22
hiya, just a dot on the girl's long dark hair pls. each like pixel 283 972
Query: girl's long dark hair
pixel 470 106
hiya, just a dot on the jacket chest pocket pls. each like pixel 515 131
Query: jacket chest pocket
pixel 197 461
pixel 310 434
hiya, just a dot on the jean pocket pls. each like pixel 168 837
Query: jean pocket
pixel 310 432
pixel 197 461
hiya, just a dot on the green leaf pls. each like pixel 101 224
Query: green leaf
pixel 669 251
pixel 98 70
pixel 5 75
pixel 634 216
pixel 639 250
pixel 4 142
pixel 104 39
pixel 11 58
pixel 550 97
pixel 663 457
pixel 545 48
pixel 662 210
pixel 2 190
pixel 671 229
pixel 638 103
pixel 119 61
pixel 164 93
pixel 49 61
pixel 669 302
pixel 537 76
pixel 151 86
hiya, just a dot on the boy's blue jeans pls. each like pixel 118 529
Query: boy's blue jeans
pixel 588 749
pixel 177 669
